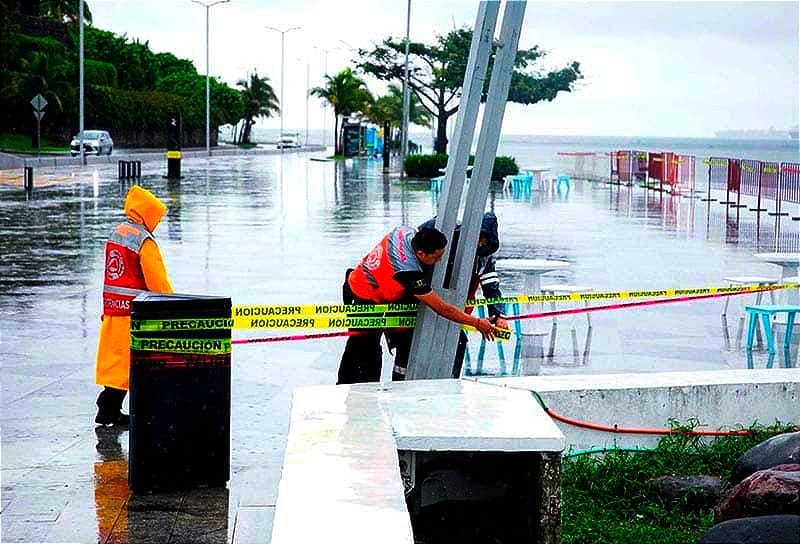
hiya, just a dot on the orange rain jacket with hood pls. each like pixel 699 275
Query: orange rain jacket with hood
pixel 113 348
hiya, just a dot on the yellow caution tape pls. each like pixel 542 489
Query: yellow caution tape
pixel 174 155
pixel 382 316
pixel 241 314
pixel 336 322
pixel 216 346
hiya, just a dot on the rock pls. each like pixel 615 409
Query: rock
pixel 767 492
pixel 778 450
pixel 698 490
pixel 759 530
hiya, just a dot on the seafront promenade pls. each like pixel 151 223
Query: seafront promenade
pixel 272 229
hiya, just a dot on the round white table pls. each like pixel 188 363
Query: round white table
pixel 534 269
pixel 790 264
pixel 536 172
pixel 530 332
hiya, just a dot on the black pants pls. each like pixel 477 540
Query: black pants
pixel 363 355
pixel 109 401
pixel 458 363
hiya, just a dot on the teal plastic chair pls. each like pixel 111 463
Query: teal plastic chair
pixel 563 179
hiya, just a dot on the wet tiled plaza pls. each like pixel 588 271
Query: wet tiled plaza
pixel 271 229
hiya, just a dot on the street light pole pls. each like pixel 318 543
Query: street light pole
pixel 324 102
pixel 208 6
pixel 308 82
pixel 80 84
pixel 404 136
pixel 283 34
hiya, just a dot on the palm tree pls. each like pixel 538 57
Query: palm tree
pixel 389 108
pixel 347 93
pixel 259 99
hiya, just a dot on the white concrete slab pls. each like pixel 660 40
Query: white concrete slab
pixel 576 382
pixel 458 415
pixel 717 399
pixel 341 478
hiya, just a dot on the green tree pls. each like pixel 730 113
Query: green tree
pixel 227 106
pixel 347 93
pixel 64 10
pixel 259 100
pixel 436 73
pixel 137 66
pixel 389 108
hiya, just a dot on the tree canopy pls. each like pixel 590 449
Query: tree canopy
pixel 436 74
pixel 347 93
pixel 259 100
pixel 129 88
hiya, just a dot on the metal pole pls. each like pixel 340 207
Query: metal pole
pixel 325 107
pixel 281 133
pixel 80 82
pixel 283 34
pixel 208 7
pixel 432 351
pixel 404 136
pixel 308 76
pixel 208 94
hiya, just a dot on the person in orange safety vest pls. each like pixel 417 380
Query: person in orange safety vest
pixel 132 265
pixel 394 272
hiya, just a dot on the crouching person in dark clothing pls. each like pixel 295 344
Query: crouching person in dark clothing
pixel 483 275
pixel 394 272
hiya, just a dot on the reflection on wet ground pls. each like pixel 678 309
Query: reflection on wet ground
pixel 275 229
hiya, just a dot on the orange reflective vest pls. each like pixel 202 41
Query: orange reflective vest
pixel 373 278
pixel 123 278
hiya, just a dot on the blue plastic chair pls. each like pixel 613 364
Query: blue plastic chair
pixel 563 179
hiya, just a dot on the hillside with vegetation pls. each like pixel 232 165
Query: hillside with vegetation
pixel 129 89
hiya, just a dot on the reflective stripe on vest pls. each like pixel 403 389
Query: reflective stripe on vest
pixel 123 279
pixel 373 278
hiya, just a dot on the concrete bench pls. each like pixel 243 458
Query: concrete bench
pixel 765 312
pixel 341 479
pixel 718 398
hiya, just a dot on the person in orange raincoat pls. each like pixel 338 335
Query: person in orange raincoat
pixel 133 265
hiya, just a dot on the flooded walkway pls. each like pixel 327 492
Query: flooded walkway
pixel 271 229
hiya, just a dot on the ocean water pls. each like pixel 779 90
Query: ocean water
pixel 532 149
pixel 543 149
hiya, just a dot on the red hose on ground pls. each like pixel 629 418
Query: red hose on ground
pixel 634 430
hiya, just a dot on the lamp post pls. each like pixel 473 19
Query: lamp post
pixel 283 34
pixel 80 83
pixel 208 6
pixel 324 102
pixel 404 141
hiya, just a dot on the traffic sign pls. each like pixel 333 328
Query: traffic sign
pixel 38 115
pixel 38 102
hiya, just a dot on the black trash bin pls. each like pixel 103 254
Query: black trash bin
pixel 180 392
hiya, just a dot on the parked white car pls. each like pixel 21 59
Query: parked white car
pixel 95 142
pixel 288 140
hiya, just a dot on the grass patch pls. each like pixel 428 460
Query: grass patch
pixel 21 143
pixel 608 498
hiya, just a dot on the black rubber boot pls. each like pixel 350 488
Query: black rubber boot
pixel 109 407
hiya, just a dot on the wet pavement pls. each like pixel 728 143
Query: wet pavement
pixel 272 229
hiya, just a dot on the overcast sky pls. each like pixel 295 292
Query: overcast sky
pixel 650 68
